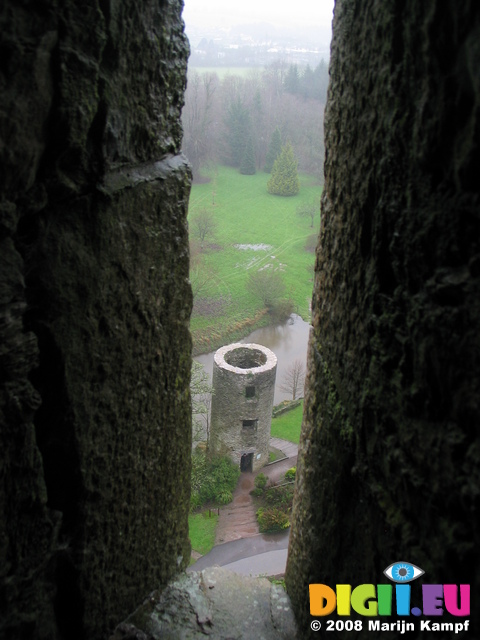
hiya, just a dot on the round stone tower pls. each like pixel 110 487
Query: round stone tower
pixel 244 386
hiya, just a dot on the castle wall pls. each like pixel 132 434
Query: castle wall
pixel 94 310
pixel 389 453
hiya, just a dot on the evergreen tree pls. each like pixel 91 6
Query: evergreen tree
pixel 274 149
pixel 238 127
pixel 292 80
pixel 284 179
pixel 247 166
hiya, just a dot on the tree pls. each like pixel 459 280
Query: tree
pixel 238 127
pixel 292 79
pixel 201 392
pixel 267 285
pixel 309 210
pixel 247 166
pixel 204 224
pixel 294 379
pixel 284 179
pixel 198 120
pixel 274 150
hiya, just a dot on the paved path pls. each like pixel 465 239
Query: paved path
pixel 264 554
pixel 239 546
pixel 289 448
pixel 238 520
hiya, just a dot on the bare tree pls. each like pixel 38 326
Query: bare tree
pixel 203 224
pixel 309 210
pixel 268 285
pixel 294 379
pixel 198 120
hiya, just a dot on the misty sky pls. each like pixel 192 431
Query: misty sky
pixel 283 13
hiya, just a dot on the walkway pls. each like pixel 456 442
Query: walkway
pixel 238 520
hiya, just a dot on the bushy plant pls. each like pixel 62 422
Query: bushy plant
pixel 272 519
pixel 224 496
pixel 281 497
pixel 213 479
pixel 261 481
pixel 290 474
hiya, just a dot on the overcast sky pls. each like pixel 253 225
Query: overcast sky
pixel 277 12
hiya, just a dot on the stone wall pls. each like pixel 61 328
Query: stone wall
pixel 94 305
pixel 243 390
pixel 389 453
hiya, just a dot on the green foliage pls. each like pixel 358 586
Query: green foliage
pixel 290 474
pixel 274 150
pixel 224 496
pixel 272 519
pixel 238 126
pixel 261 481
pixel 284 179
pixel 280 497
pixel 213 479
pixel 201 528
pixel 246 213
pixel 288 425
pixel 247 166
pixel 309 83
pixel 292 79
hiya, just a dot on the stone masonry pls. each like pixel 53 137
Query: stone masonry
pixel 244 386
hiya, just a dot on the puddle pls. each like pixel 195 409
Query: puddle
pixel 253 247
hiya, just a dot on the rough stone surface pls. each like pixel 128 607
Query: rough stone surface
pixel 213 603
pixel 94 310
pixel 244 387
pixel 389 454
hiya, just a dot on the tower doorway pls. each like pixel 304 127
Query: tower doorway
pixel 246 462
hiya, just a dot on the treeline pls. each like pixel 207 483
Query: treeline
pixel 232 121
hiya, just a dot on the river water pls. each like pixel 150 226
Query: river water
pixel 287 341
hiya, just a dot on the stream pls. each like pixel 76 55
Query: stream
pixel 287 341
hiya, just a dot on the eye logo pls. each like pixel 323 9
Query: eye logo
pixel 402 572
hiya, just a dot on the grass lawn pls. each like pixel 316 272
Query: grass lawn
pixel 246 214
pixel 202 531
pixel 221 72
pixel 288 425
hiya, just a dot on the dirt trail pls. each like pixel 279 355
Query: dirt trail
pixel 237 519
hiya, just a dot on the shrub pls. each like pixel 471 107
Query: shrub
pixel 261 481
pixel 213 479
pixel 224 496
pixel 195 501
pixel 281 497
pixel 290 474
pixel 272 519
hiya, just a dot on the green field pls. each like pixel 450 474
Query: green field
pixel 202 531
pixel 246 214
pixel 227 71
pixel 288 425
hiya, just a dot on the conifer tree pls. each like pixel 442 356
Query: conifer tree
pixel 247 166
pixel 284 179
pixel 238 125
pixel 274 149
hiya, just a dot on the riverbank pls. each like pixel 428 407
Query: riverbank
pixel 288 342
